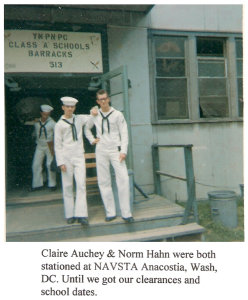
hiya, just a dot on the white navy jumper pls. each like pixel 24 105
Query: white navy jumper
pixel 44 134
pixel 111 129
pixel 69 151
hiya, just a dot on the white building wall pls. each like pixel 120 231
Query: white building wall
pixel 217 151
pixel 217 157
pixel 218 147
pixel 227 18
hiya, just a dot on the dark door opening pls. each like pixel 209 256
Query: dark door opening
pixel 20 145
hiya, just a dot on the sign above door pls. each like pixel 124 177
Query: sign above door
pixel 52 51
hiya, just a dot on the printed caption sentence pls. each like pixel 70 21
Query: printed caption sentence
pixel 82 272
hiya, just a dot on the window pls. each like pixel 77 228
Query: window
pixel 212 77
pixel 239 64
pixel 171 81
pixel 193 75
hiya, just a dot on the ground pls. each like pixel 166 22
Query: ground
pixel 216 232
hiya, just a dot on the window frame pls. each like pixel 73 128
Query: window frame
pixel 191 68
pixel 214 58
pixel 176 77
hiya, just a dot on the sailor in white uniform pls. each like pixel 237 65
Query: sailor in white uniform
pixel 43 132
pixel 111 148
pixel 69 152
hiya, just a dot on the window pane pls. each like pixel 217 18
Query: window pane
pixel 208 68
pixel 172 108
pixel 210 47
pixel 169 46
pixel 239 48
pixel 240 68
pixel 239 55
pixel 213 107
pixel 212 87
pixel 170 67
pixel 240 96
pixel 240 87
pixel 171 87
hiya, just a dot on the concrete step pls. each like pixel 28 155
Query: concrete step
pixel 149 235
pixel 45 222
pixel 65 231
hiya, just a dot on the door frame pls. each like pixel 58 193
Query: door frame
pixel 122 71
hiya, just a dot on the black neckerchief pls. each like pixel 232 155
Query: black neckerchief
pixel 105 118
pixel 42 127
pixel 73 129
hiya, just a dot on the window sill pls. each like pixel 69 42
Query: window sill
pixel 205 120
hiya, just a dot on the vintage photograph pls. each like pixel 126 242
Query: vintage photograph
pixel 124 123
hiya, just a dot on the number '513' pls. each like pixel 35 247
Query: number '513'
pixel 54 64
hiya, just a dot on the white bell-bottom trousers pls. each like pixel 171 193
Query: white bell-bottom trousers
pixel 103 160
pixel 75 168
pixel 39 156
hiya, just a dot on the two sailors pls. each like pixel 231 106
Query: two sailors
pixel 111 148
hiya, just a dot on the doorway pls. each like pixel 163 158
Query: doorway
pixel 19 144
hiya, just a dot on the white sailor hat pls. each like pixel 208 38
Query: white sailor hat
pixel 46 108
pixel 69 101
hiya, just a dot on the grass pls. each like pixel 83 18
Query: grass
pixel 216 232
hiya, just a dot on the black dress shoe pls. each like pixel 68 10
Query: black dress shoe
pixel 52 188
pixel 83 221
pixel 108 219
pixel 128 220
pixel 71 220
